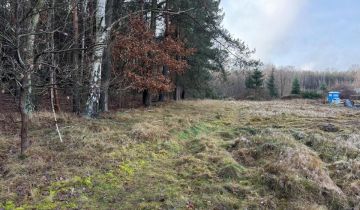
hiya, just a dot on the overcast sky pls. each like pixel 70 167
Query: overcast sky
pixel 308 34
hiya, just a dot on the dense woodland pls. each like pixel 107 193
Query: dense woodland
pixel 93 53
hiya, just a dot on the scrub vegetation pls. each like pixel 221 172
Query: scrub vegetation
pixel 188 155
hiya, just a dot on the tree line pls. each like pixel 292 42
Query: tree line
pixel 93 51
pixel 268 82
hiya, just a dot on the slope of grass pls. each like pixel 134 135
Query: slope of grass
pixel 189 155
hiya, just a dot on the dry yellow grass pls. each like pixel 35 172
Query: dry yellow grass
pixel 202 154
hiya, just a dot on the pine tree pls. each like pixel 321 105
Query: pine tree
pixel 255 81
pixel 258 78
pixel 201 28
pixel 296 87
pixel 272 86
pixel 249 82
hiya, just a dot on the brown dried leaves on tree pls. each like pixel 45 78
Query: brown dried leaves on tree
pixel 138 57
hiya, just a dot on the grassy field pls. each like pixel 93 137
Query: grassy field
pixel 189 155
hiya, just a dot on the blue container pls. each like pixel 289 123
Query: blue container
pixel 334 97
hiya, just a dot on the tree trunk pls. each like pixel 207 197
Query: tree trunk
pixel 165 73
pixel 53 88
pixel 84 55
pixel 147 93
pixel 107 65
pixel 104 97
pixel 146 98
pixel 77 74
pixel 178 88
pixel 25 111
pixel 178 93
pixel 95 83
pixel 25 105
pixel 183 94
pixel 92 105
pixel 153 16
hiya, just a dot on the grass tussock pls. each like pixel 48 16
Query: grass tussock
pixel 188 155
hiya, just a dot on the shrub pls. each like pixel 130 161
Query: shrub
pixel 291 96
pixel 311 95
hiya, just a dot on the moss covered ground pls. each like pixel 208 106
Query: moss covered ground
pixel 189 155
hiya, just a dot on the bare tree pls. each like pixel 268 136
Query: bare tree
pixel 27 63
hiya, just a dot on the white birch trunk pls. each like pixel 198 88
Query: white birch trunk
pixel 107 65
pixel 92 105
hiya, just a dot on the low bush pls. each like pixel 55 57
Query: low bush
pixel 311 95
pixel 291 96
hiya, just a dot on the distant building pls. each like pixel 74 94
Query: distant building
pixel 357 90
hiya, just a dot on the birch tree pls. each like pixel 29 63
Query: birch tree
pixel 92 105
pixel 107 65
